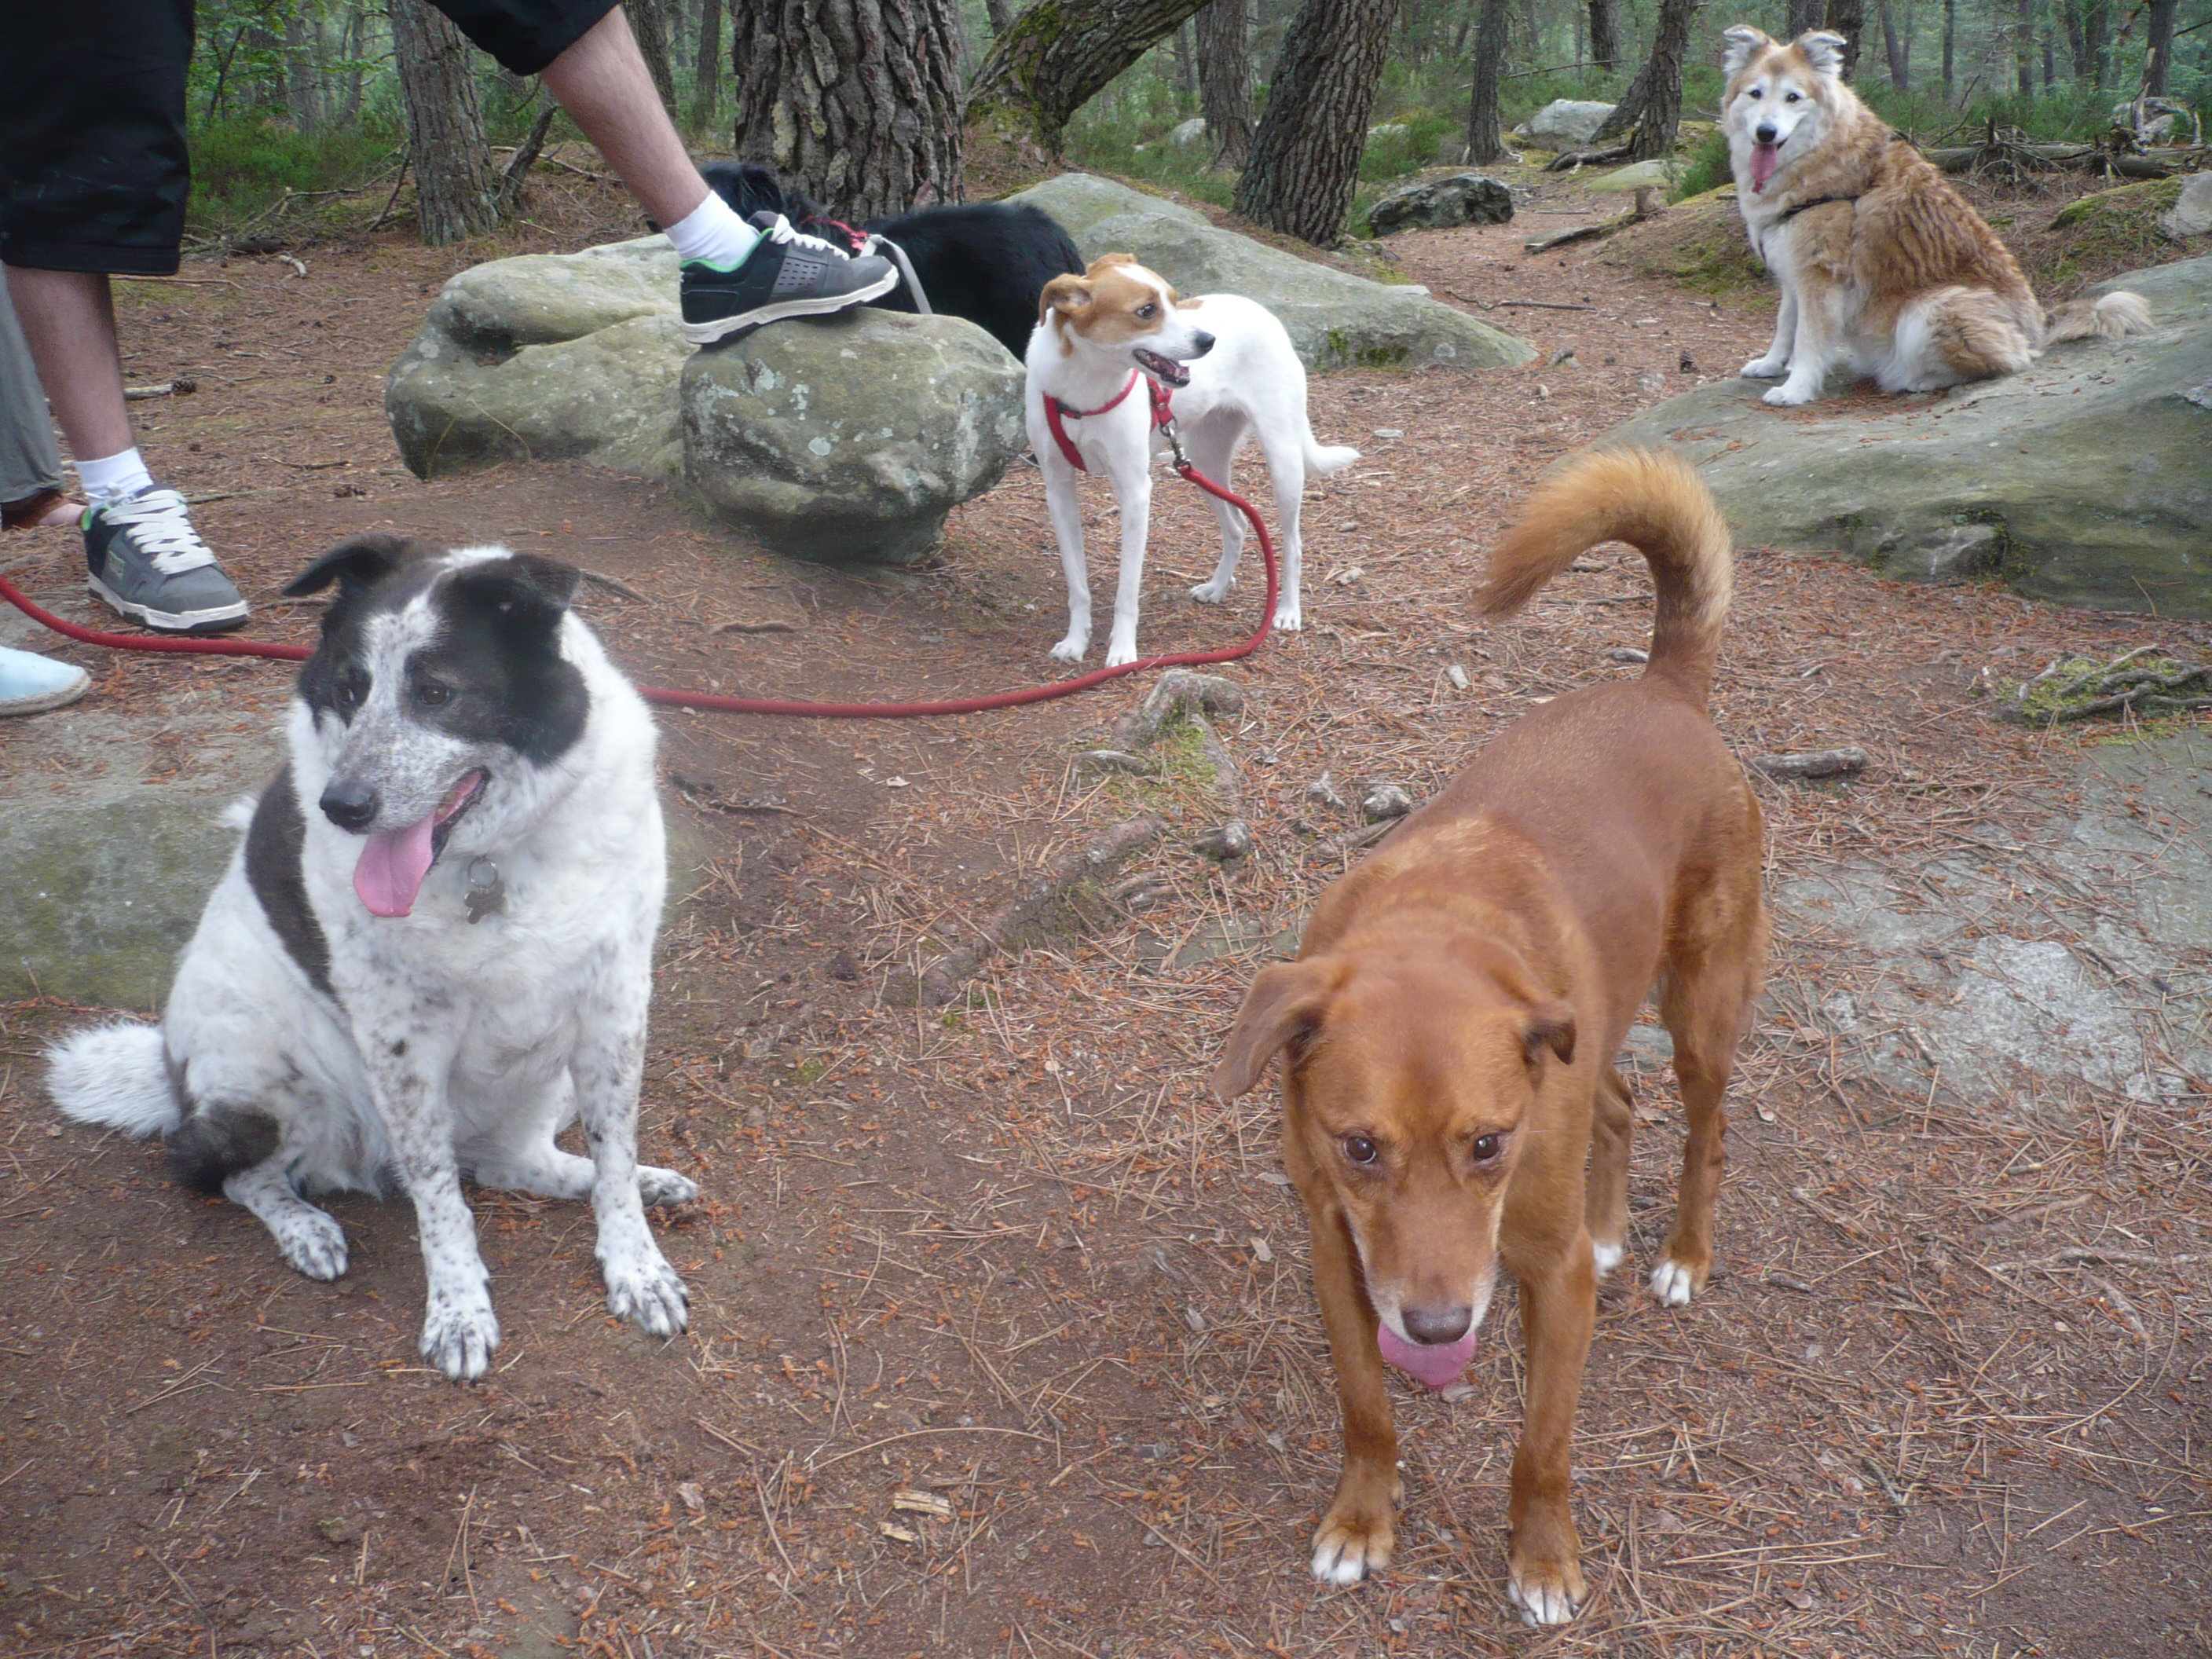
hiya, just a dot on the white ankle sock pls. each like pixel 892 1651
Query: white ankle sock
pixel 116 475
pixel 713 234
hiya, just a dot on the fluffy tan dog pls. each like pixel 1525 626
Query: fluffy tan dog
pixel 1880 260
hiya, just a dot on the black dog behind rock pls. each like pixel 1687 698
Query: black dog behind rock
pixel 985 261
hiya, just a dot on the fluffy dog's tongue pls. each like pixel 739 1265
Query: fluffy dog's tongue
pixel 1764 158
pixel 393 866
pixel 1436 1365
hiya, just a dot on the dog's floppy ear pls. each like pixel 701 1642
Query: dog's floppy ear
pixel 1823 50
pixel 1063 294
pixel 1283 1001
pixel 524 591
pixel 1550 1025
pixel 1742 41
pixel 356 562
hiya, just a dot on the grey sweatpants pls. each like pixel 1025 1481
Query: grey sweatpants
pixel 30 461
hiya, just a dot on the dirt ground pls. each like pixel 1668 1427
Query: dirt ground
pixel 1003 1342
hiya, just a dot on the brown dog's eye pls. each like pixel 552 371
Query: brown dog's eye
pixel 1148 309
pixel 1360 1149
pixel 1487 1147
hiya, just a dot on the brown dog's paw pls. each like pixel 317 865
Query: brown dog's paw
pixel 1355 1539
pixel 1546 1592
pixel 1673 1282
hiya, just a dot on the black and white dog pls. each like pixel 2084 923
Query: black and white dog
pixel 986 261
pixel 433 949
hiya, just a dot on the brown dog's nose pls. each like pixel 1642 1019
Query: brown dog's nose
pixel 1432 1325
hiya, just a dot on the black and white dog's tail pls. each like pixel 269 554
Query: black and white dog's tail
pixel 115 1075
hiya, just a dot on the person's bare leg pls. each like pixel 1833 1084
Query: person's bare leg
pixel 604 84
pixel 69 322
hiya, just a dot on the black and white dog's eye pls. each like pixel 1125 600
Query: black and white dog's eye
pixel 431 694
pixel 349 692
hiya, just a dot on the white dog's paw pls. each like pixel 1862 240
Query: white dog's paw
pixel 1540 1603
pixel 1673 1285
pixel 1605 1257
pixel 1790 394
pixel 458 1335
pixel 1071 648
pixel 647 1291
pixel 1120 651
pixel 313 1243
pixel 1765 369
pixel 1289 618
pixel 656 1185
pixel 1214 591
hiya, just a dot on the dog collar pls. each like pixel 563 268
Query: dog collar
pixel 1056 411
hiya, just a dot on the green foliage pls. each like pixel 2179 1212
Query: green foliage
pixel 244 165
pixel 1706 167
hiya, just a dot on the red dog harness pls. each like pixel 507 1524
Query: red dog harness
pixel 1056 411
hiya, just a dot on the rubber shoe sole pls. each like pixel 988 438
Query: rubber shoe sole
pixel 216 620
pixel 40 703
pixel 821 306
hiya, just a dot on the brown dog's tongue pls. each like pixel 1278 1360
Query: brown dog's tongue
pixel 1764 158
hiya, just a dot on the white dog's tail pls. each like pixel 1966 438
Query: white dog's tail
pixel 2113 317
pixel 1321 459
pixel 117 1076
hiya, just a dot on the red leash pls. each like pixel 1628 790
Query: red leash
pixel 712 704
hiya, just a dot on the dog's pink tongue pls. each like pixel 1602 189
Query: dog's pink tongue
pixel 393 866
pixel 1765 159
pixel 1436 1365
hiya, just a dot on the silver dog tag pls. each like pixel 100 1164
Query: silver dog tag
pixel 487 894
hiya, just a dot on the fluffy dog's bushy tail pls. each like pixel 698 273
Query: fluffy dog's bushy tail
pixel 2111 317
pixel 1321 459
pixel 1652 500
pixel 117 1076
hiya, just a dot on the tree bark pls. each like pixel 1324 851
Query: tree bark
pixel 303 65
pixel 650 24
pixel 2158 43
pixel 707 69
pixel 1605 33
pixel 1224 79
pixel 1058 55
pixel 1898 50
pixel 1306 157
pixel 1485 144
pixel 855 101
pixel 1848 19
pixel 2023 48
pixel 1950 43
pixel 456 191
pixel 1653 103
pixel 1000 15
pixel 1804 15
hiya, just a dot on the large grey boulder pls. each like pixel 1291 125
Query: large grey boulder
pixel 1464 199
pixel 852 436
pixel 547 357
pixel 2086 479
pixel 2192 210
pixel 1334 318
pixel 1565 123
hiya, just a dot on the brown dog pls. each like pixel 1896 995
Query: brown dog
pixel 1449 1027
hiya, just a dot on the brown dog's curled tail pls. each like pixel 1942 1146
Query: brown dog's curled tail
pixel 2112 317
pixel 1652 500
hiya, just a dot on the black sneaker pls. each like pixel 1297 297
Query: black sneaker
pixel 147 561
pixel 785 275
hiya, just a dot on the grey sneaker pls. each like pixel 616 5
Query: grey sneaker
pixel 146 561
pixel 785 275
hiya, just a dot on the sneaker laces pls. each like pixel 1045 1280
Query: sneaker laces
pixel 160 529
pixel 781 231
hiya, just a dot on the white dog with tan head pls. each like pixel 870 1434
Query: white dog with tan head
pixel 1230 372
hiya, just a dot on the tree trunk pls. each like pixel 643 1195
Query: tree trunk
pixel 1803 15
pixel 303 56
pixel 1848 19
pixel 1000 15
pixel 1484 144
pixel 1186 63
pixel 707 70
pixel 855 101
pixel 1306 157
pixel 356 42
pixel 2158 43
pixel 1605 33
pixel 1058 55
pixel 1660 118
pixel 1950 42
pixel 1898 50
pixel 650 24
pixel 2023 48
pixel 456 191
pixel 1224 79
pixel 2097 36
pixel 2049 65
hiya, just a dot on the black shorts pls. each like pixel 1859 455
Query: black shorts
pixel 94 168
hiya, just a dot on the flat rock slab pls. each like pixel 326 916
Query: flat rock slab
pixel 1461 198
pixel 2086 480
pixel 1334 318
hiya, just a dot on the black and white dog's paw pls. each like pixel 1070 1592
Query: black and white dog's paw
pixel 311 1242
pixel 647 1292
pixel 656 1185
pixel 459 1333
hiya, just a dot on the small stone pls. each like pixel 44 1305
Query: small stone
pixel 1323 792
pixel 1457 675
pixel 1563 357
pixel 1232 841
pixel 1114 760
pixel 1390 432
pixel 1626 653
pixel 1379 801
